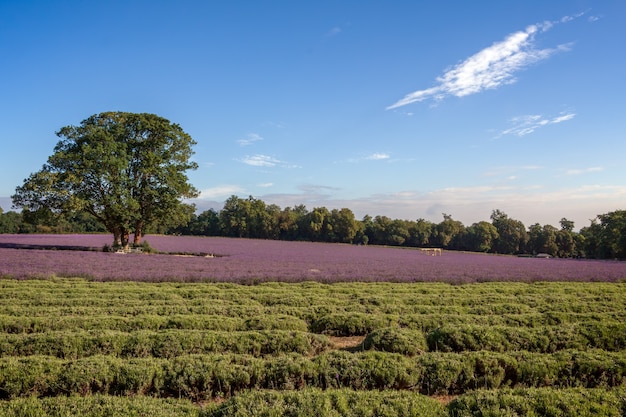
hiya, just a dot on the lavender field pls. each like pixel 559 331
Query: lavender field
pixel 247 260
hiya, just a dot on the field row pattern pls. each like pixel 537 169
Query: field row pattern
pixel 556 342
pixel 334 403
pixel 171 343
pixel 203 377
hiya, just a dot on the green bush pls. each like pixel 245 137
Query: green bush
pixel 396 340
pixel 459 338
pixel 100 406
pixel 535 402
pixel 351 324
pixel 161 344
pixel 330 403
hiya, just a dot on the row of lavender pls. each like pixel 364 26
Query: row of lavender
pixel 247 260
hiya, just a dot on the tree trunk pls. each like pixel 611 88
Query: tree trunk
pixel 138 232
pixel 126 239
pixel 117 238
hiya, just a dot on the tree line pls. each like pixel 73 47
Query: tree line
pixel 604 238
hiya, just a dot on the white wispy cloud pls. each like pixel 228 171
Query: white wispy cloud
pixel 491 67
pixel 265 161
pixel 583 171
pixel 250 139
pixel 377 156
pixel 260 161
pixel 524 125
pixel 220 191
pixel 265 185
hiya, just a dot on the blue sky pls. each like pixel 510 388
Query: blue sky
pixel 407 109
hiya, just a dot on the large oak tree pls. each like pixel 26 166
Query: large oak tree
pixel 128 170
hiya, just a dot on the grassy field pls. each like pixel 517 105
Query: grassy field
pixel 80 347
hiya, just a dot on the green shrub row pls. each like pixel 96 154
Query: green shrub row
pixel 530 402
pixel 541 402
pixel 40 324
pixel 100 406
pixel 396 340
pixel 201 377
pixel 600 335
pixel 163 344
pixel 77 296
pixel 330 403
pixel 462 338
pixel 498 403
pixel 313 311
pixel 305 403
pixel 355 324
pixel 337 324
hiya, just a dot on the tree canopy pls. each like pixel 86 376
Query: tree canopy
pixel 127 170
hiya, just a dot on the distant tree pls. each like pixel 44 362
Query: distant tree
pixel 566 239
pixel 234 217
pixel 205 224
pixel 481 236
pixel 512 235
pixel 290 221
pixel 605 238
pixel 127 170
pixel 344 225
pixel 566 225
pixel 367 225
pixel 543 239
pixel 421 233
pixel 318 227
pixel 448 230
pixel 83 222
pixel 566 244
pixel 10 222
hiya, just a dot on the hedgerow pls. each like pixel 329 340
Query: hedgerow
pixel 607 336
pixel 100 406
pixel 342 402
pixel 529 402
pixel 209 376
pixel 163 344
pixel 541 402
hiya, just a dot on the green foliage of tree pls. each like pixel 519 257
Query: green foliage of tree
pixel 481 236
pixel 10 222
pixel 605 238
pixel 127 170
pixel 344 225
pixel 448 231
pixel 512 235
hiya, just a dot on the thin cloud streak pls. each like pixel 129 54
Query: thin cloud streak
pixel 527 124
pixel 250 139
pixel 377 156
pixel 265 161
pixel 490 68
